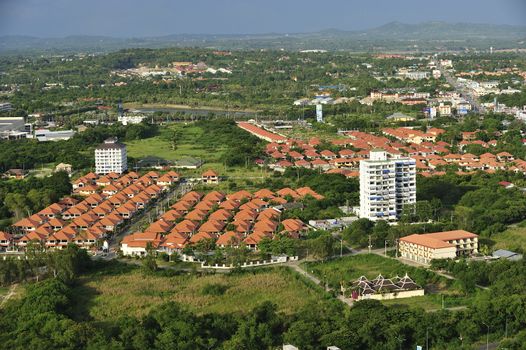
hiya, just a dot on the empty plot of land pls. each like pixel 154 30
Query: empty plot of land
pixel 514 238
pixel 110 295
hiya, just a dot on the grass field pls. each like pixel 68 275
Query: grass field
pixel 371 265
pixel 513 238
pixel 426 302
pixel 352 267
pixel 110 294
pixel 187 144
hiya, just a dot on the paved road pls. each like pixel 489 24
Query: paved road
pixel 466 93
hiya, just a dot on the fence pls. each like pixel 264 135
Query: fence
pixel 204 265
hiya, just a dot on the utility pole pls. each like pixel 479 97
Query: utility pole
pixel 369 244
pixel 427 338
pixel 487 335
pixel 385 247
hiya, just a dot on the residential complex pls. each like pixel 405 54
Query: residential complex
pixel 111 157
pixel 440 245
pixel 387 184
pixel 229 219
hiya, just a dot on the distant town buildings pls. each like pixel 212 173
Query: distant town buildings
pixel 5 107
pixel 423 248
pixel 48 135
pixel 130 119
pixel 415 75
pixel 386 185
pixel 111 157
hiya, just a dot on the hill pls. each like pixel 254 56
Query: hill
pixel 394 36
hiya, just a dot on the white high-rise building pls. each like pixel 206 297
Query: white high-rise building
pixel 387 184
pixel 111 157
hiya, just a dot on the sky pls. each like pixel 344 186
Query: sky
pixel 143 18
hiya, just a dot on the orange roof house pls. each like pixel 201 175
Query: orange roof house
pixel 264 194
pixel 52 210
pixel 287 192
pixel 304 191
pixel 239 195
pixel 174 241
pixel 214 196
pixel 212 226
pixel 192 197
pixel 293 225
pixel 220 215
pixel 159 226
pixel 137 243
pixel 201 236
pixel 205 205
pixel 230 204
pixel 196 215
pixel 182 206
pixel 172 215
pixel 210 177
pixel 229 238
pixel 186 226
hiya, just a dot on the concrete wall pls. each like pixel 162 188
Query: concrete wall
pixel 397 295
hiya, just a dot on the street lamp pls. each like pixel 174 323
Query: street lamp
pixel 427 338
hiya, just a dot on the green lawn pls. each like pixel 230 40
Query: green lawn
pixel 426 302
pixel 188 144
pixel 109 294
pixel 369 265
pixel 513 238
pixel 431 302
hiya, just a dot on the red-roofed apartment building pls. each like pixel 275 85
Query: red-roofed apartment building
pixel 440 245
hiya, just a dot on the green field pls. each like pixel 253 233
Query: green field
pixel 514 238
pixel 110 294
pixel 369 265
pixel 426 302
pixel 189 143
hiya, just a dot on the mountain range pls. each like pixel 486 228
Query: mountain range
pixel 391 36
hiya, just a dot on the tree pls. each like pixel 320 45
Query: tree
pixel 357 233
pixel 17 204
pixel 149 263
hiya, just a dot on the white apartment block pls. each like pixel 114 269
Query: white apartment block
pixel 111 157
pixel 386 185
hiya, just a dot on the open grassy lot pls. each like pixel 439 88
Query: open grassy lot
pixel 513 238
pixel 369 265
pixel 188 143
pixel 426 302
pixel 112 293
